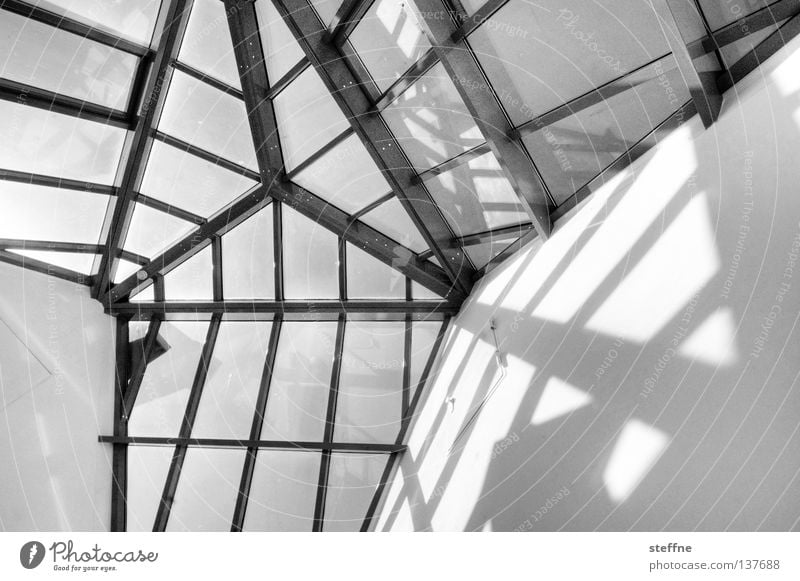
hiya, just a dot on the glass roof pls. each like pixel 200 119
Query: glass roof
pixel 281 227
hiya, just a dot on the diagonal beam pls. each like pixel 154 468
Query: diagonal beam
pixel 477 94
pixel 155 90
pixel 137 373
pixel 255 86
pixel 179 455
pixel 346 90
pixel 45 268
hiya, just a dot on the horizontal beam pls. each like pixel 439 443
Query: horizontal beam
pixel 205 155
pixel 492 235
pixel 31 96
pixel 24 177
pixel 73 26
pixel 45 268
pixel 207 79
pixel 260 444
pixel 289 307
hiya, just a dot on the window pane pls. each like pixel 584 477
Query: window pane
pixel 123 269
pixel 145 295
pixel 147 474
pixel 207 43
pixel 65 63
pixel 307 116
pixel 207 490
pixel 70 260
pixel 161 403
pixel 151 232
pixel 369 278
pixel 192 279
pixel 301 380
pixel 283 492
pixel 421 293
pixel 391 219
pixel 310 258
pixel 578 45
pixel 132 19
pixel 326 9
pixel 248 259
pixel 199 114
pixel 389 40
pixel 346 177
pixel 280 48
pixel 371 382
pixel 481 254
pixel 42 142
pixel 229 395
pixel 423 336
pixel 431 121
pixel 731 53
pixel 476 197
pixel 188 182
pixel 573 150
pixel 351 486
pixel 41 213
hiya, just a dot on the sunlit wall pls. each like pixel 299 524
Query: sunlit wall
pixel 648 369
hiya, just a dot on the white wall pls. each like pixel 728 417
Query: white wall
pixel 56 369
pixel 652 350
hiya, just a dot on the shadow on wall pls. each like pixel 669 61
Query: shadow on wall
pixel 651 350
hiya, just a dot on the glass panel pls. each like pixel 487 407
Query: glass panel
pixel 310 258
pixel 389 39
pixel 42 142
pixel 719 13
pixel 471 6
pixel 248 259
pixel 207 43
pixel 481 254
pixel 65 63
pixel 151 232
pixel 41 213
pixel 298 393
pixel 307 116
pixel 161 403
pixel 199 114
pixel 371 382
pixel 123 270
pixel 476 197
pixel 431 122
pixel 283 492
pixel 280 48
pixel 578 45
pixel 326 9
pixel 146 295
pixel 572 151
pixel 188 182
pixel 391 219
pixel 132 19
pixel 229 395
pixel 369 278
pixel 423 336
pixel 420 293
pixel 147 473
pixel 346 177
pixel 207 490
pixel 71 260
pixel 351 486
pixel 192 279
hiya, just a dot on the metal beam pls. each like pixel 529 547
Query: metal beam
pixel 384 149
pixel 408 78
pixel 24 177
pixel 157 204
pixel 182 442
pixel 45 268
pixel 678 18
pixel 491 235
pixel 205 155
pixel 277 307
pixel 347 17
pixel 207 79
pixel 479 98
pixel 137 373
pixel 259 444
pixel 455 162
pixel 119 452
pixel 255 429
pixel 30 96
pixel 73 26
pixel 155 90
pixel 753 59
